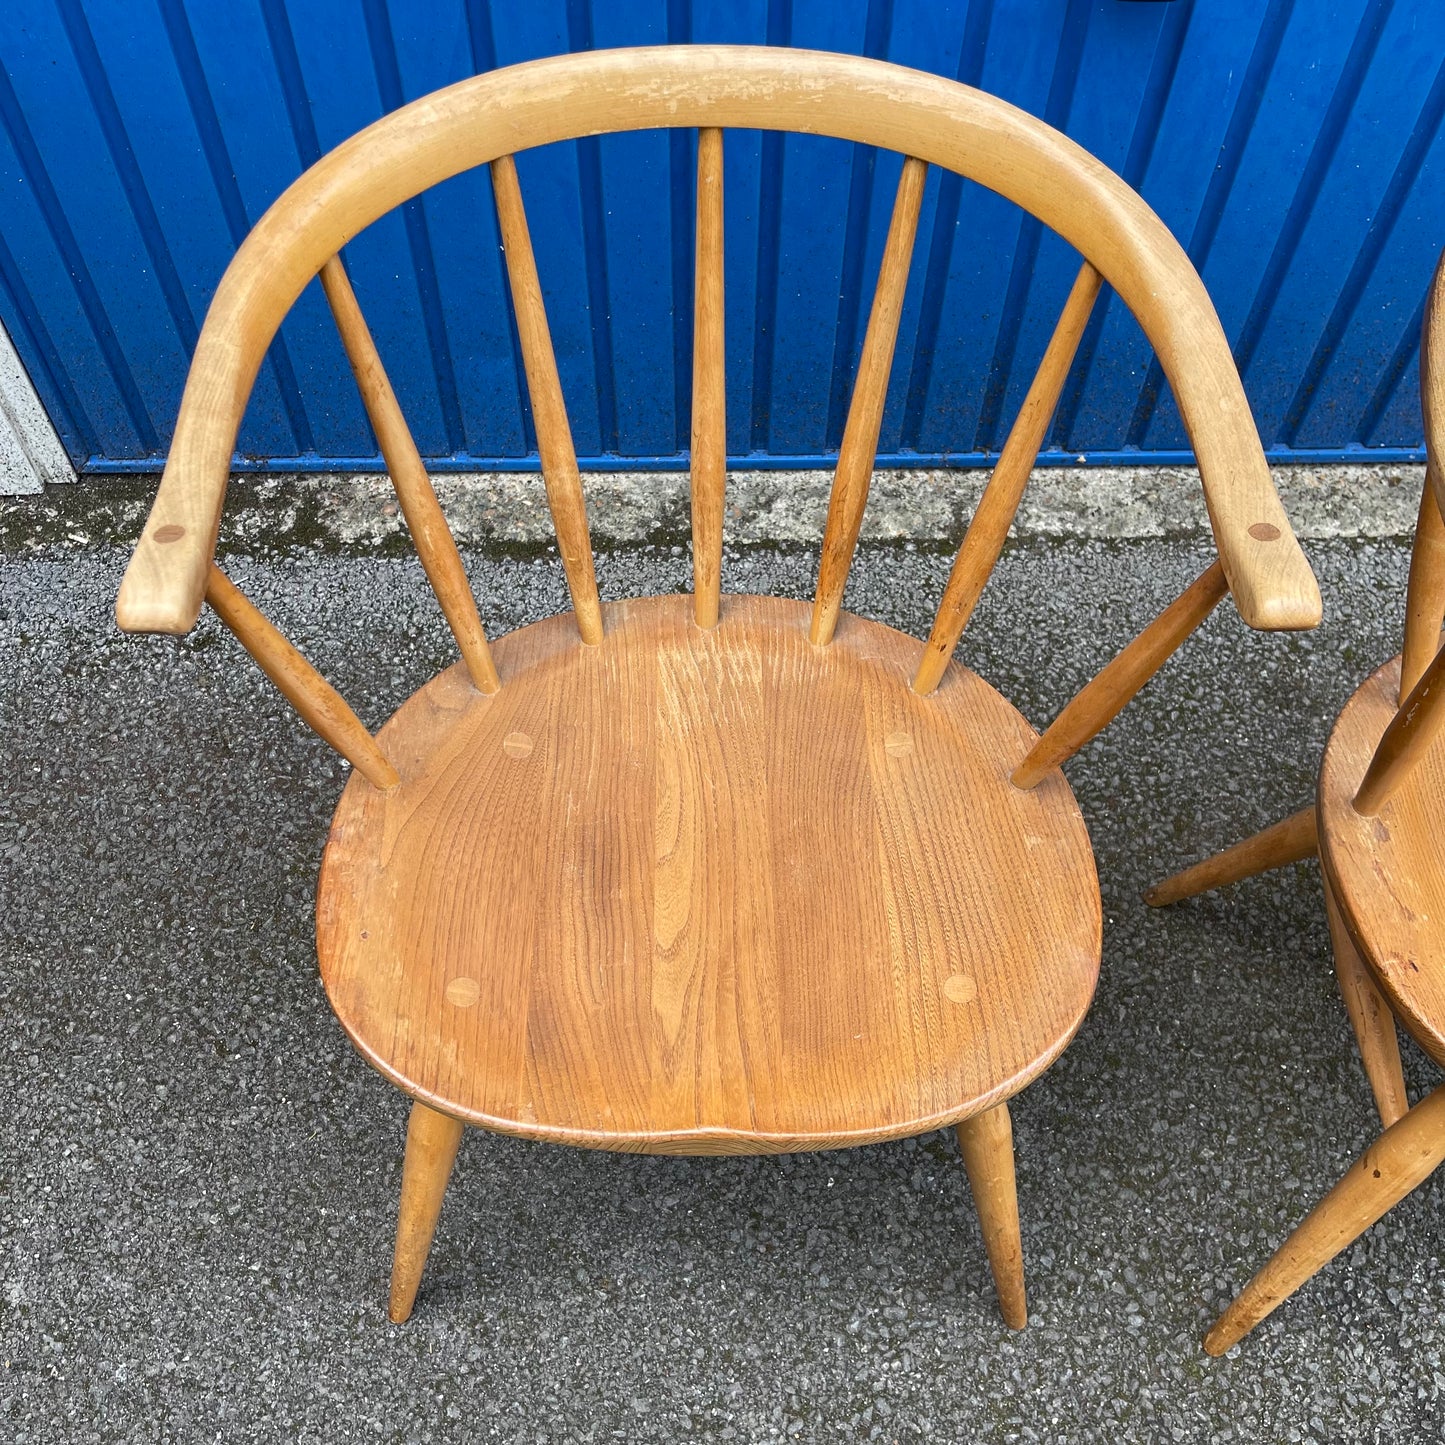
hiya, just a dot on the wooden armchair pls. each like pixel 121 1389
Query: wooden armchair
pixel 704 874
pixel 1378 827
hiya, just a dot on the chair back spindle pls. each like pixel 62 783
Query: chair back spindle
pixel 549 412
pixel 709 390
pixel 987 532
pixel 434 542
pixel 485 121
pixel 1425 593
pixel 1419 722
pixel 859 449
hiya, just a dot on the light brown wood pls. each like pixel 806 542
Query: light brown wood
pixel 726 915
pixel 859 449
pixel 1100 701
pixel 1425 594
pixel 986 1142
pixel 1400 1160
pixel 1432 383
pixel 705 889
pixel 987 532
pixel 1371 1019
pixel 938 121
pixel 432 1140
pixel 434 543
pixel 322 708
pixel 1387 872
pixel 1379 811
pixel 709 459
pixel 549 411
pixel 1288 841
pixel 1413 731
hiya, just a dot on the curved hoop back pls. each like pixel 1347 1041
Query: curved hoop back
pixel 937 121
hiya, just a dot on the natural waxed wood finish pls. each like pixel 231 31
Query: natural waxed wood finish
pixel 767 899
pixel 709 377
pixel 1291 840
pixel 432 1140
pixel 323 708
pixel 1412 731
pixel 1377 825
pixel 937 121
pixel 1370 1017
pixel 1385 897
pixel 419 505
pixel 1102 700
pixel 1387 872
pixel 986 1142
pixel 705 884
pixel 1403 1157
pixel 988 530
pixel 859 449
pixel 1432 385
pixel 549 413
pixel 1425 595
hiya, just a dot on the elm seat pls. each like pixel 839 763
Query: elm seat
pixel 1386 870
pixel 703 874
pixel 708 891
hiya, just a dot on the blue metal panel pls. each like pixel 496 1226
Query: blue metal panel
pixel 1294 146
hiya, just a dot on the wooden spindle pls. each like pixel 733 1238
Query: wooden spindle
pixel 709 389
pixel 1100 701
pixel 1370 1017
pixel 322 708
pixel 1418 723
pixel 987 532
pixel 1425 595
pixel 435 544
pixel 865 412
pixel 1399 1161
pixel 1291 840
pixel 549 411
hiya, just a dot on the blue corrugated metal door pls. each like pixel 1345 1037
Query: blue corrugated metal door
pixel 1293 147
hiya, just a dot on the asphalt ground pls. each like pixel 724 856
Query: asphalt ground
pixel 198 1176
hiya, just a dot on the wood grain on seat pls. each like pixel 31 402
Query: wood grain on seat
pixel 709 890
pixel 1388 871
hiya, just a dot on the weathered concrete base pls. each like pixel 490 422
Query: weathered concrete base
pixel 922 506
pixel 926 506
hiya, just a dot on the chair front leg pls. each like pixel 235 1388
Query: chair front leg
pixel 987 1144
pixel 432 1140
pixel 1402 1158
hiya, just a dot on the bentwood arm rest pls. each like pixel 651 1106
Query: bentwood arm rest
pixel 938 121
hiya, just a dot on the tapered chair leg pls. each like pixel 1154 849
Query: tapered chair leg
pixel 987 1144
pixel 1287 841
pixel 431 1150
pixel 1403 1157
pixel 1371 1018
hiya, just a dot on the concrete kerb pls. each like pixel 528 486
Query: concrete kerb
pixel 926 507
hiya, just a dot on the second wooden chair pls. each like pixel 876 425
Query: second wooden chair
pixel 1378 828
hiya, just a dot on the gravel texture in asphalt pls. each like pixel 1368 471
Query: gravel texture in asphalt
pixel 198 1176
